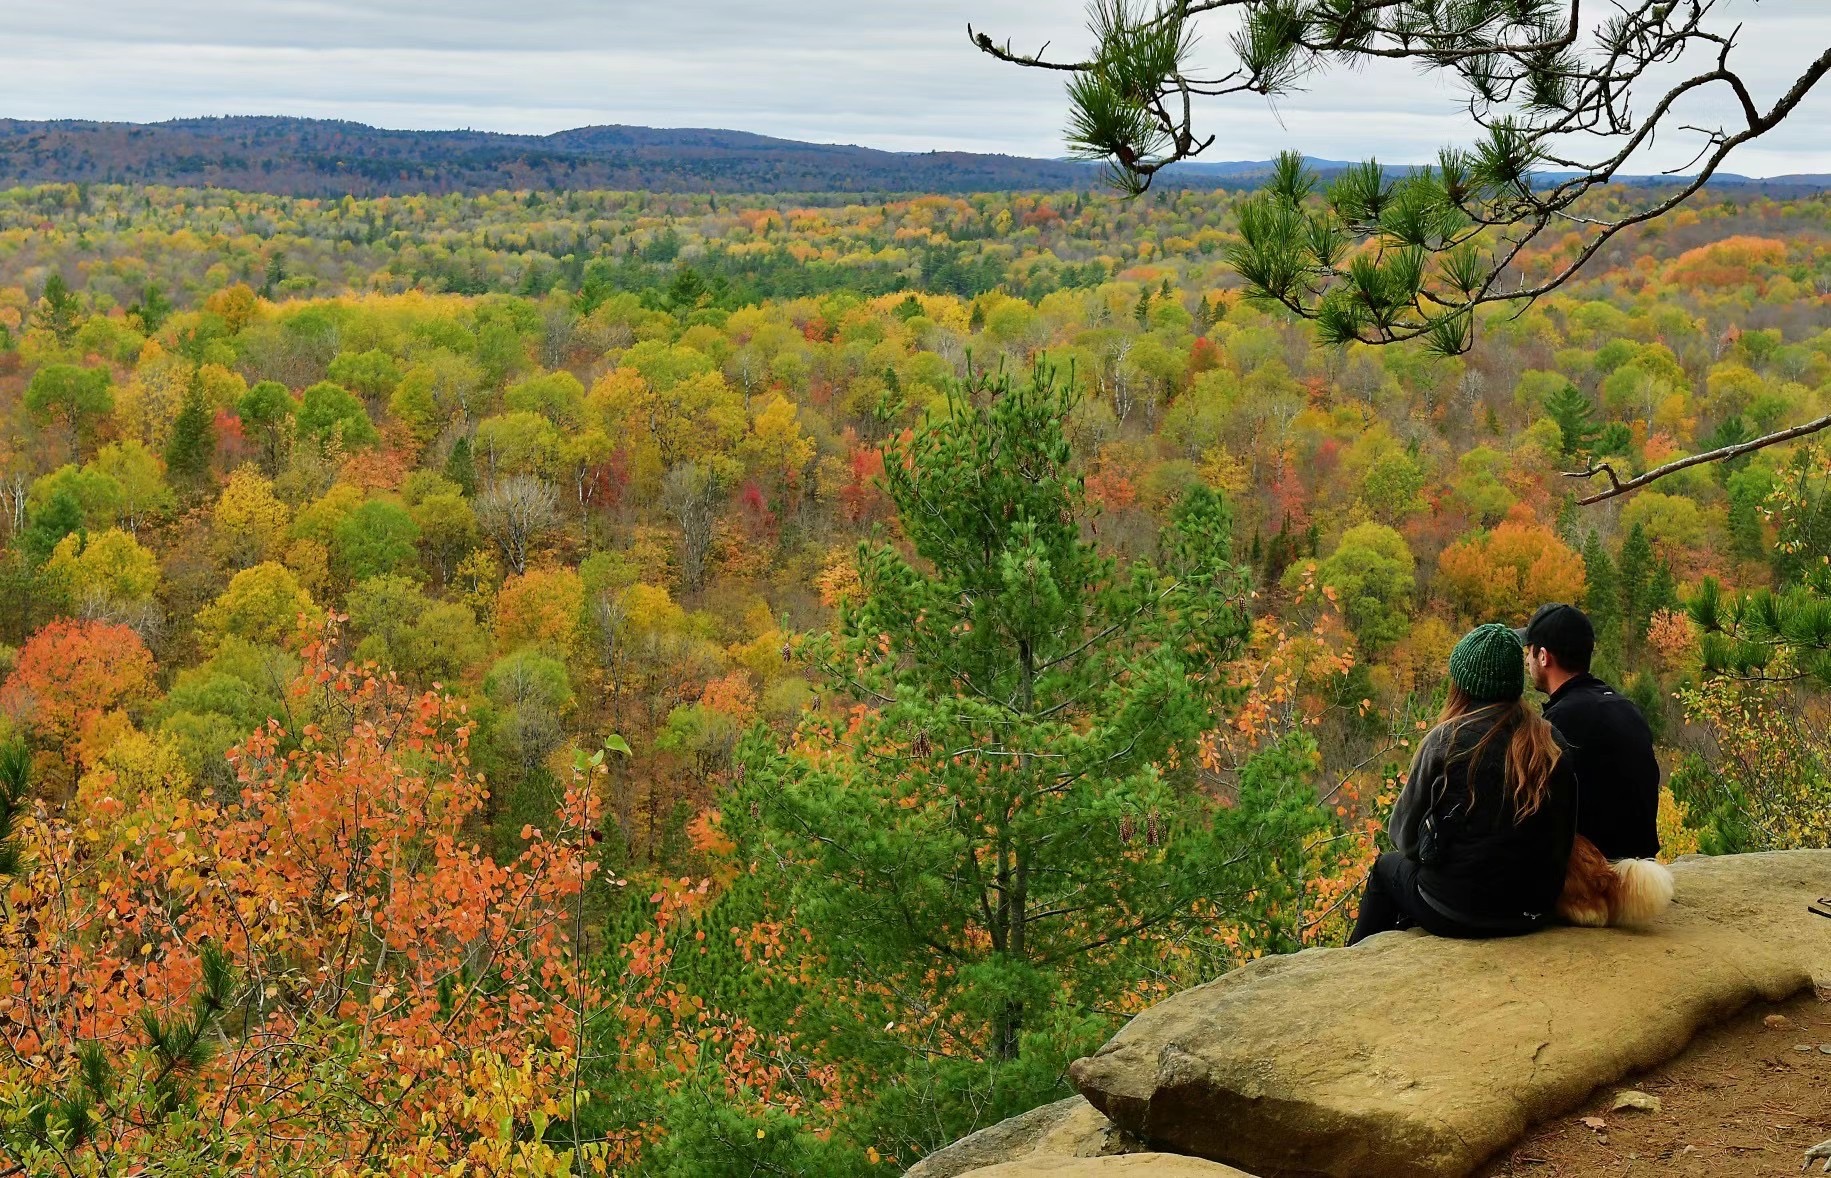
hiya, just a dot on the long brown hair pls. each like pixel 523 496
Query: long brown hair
pixel 1532 750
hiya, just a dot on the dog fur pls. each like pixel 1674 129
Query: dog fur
pixel 1628 893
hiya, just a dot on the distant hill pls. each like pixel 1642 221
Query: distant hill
pixel 314 157
pixel 321 157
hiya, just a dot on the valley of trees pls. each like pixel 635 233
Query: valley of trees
pixel 600 682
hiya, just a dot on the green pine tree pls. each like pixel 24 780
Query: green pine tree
pixel 1568 521
pixel 1748 491
pixel 274 275
pixel 153 308
pixel 1637 567
pixel 1014 818
pixel 192 449
pixel 1602 601
pixel 1802 524
pixel 59 516
pixel 59 311
pixel 1576 419
pixel 1602 589
pixel 1662 592
pixel 1142 312
pixel 461 467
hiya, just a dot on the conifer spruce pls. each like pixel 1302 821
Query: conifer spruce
pixel 1636 572
pixel 1013 815
pixel 192 448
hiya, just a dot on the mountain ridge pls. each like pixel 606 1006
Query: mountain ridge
pixel 291 156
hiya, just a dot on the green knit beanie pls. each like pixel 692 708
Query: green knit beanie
pixel 1487 664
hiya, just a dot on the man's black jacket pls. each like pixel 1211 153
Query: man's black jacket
pixel 1611 748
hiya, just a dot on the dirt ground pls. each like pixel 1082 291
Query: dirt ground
pixel 1741 1102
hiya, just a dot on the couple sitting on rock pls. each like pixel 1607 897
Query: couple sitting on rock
pixel 1510 819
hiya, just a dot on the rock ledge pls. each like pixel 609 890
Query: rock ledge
pixel 1416 1057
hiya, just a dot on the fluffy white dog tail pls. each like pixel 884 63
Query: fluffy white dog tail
pixel 1643 892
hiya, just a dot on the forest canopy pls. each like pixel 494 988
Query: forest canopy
pixel 605 682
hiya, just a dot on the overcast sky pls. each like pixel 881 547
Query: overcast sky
pixel 896 75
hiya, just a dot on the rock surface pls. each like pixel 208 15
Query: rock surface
pixel 1069 1128
pixel 1415 1057
pixel 1136 1165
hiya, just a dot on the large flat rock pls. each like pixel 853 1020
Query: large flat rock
pixel 1415 1057
pixel 1136 1165
pixel 1069 1128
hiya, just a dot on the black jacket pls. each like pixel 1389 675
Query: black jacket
pixel 1617 773
pixel 1495 871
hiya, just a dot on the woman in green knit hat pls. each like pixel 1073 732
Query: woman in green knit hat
pixel 1483 830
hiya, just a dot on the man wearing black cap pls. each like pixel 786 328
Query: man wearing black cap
pixel 1611 746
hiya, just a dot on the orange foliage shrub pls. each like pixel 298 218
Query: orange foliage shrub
pixel 67 676
pixel 541 608
pixel 1510 571
pixel 384 965
pixel 1727 263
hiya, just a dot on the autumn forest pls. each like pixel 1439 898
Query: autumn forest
pixel 605 682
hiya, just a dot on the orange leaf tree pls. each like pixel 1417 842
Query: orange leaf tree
pixel 67 676
pixel 319 975
pixel 1510 571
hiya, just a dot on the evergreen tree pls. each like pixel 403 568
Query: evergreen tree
pixel 153 308
pixel 59 516
pixel 1637 568
pixel 1280 551
pixel 192 449
pixel 1731 431
pixel 1013 819
pixel 461 468
pixel 1662 593
pixel 1602 590
pixel 1142 312
pixel 1576 418
pixel 275 274
pixel 1569 518
pixel 1645 690
pixel 1204 316
pixel 1602 602
pixel 1748 491
pixel 1802 548
pixel 1616 438
pixel 59 311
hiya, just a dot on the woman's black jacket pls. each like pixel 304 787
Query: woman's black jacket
pixel 1492 869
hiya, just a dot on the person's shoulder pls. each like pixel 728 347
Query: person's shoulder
pixel 1601 708
pixel 1437 741
pixel 1584 692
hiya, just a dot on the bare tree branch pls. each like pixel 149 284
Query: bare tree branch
pixel 1618 486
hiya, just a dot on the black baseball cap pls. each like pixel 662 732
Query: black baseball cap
pixel 1565 631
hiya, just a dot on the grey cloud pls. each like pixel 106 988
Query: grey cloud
pixel 892 75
